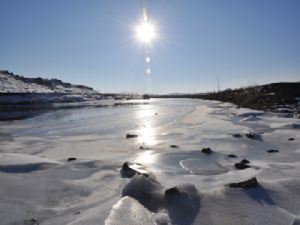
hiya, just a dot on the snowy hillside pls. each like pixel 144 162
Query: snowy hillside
pixel 11 83
pixel 22 97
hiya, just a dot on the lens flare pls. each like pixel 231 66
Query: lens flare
pixel 145 32
pixel 148 71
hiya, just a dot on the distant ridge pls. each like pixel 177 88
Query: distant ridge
pixel 273 96
pixel 268 96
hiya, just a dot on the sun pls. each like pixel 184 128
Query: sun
pixel 146 32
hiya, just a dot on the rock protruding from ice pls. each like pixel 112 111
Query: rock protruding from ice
pixel 131 136
pixel 174 146
pixel 32 221
pixel 126 171
pixel 243 164
pixel 254 136
pixel 236 135
pixel 272 151
pixel 207 151
pixel 251 183
pixel 244 161
pixel 71 159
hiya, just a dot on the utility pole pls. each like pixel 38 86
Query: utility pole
pixel 218 85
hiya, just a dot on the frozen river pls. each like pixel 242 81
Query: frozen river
pixel 145 119
pixel 182 184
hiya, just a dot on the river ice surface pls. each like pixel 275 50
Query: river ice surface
pixel 183 185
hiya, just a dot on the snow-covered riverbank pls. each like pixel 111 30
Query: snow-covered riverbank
pixel 63 167
pixel 22 97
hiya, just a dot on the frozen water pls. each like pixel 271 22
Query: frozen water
pixel 180 185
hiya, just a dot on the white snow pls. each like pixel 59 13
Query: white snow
pixel 9 84
pixel 129 211
pixel 184 186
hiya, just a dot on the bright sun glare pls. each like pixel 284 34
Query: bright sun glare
pixel 146 32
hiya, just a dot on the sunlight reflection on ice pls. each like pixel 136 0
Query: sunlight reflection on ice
pixel 146 157
pixel 146 131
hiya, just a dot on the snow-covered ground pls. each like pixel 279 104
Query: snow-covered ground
pixel 175 182
pixel 10 83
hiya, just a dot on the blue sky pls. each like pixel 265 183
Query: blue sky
pixel 93 43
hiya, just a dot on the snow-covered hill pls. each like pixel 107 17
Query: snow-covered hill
pixel 11 83
pixel 22 97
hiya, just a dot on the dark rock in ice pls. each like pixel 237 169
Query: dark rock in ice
pixel 231 156
pixel 174 146
pixel 237 135
pixel 126 171
pixel 250 135
pixel 251 183
pixel 77 213
pixel 71 159
pixel 273 151
pixel 156 114
pixel 31 221
pixel 244 161
pixel 141 147
pixel 291 139
pixel 131 136
pixel 207 151
pixel 242 164
pixel 171 191
pixel 254 136
pixel 125 166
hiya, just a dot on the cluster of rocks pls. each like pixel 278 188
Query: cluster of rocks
pixel 179 204
pixel 250 135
